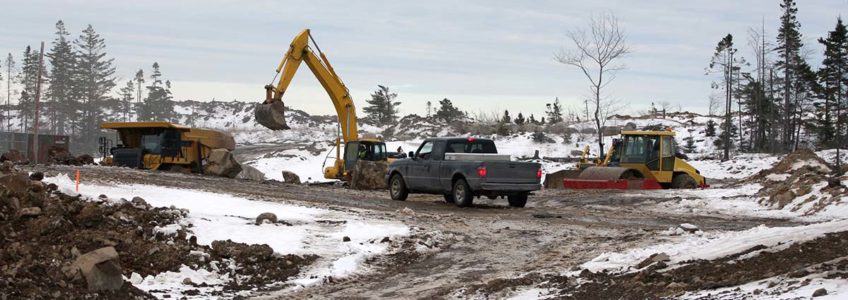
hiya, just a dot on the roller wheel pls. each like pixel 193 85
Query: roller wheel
pixel 683 181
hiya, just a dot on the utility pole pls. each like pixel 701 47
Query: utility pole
pixel 37 98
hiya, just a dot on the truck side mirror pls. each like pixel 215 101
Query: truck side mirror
pixel 411 154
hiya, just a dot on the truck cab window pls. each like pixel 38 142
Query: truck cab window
pixel 151 143
pixel 425 150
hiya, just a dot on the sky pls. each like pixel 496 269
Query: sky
pixel 486 56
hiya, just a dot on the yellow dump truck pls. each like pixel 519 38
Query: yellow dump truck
pixel 170 147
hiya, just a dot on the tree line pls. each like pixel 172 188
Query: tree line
pixel 78 79
pixel 782 102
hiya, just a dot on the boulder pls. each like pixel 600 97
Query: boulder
pixel 85 159
pixel 270 217
pixel 101 269
pixel 30 212
pixel 250 173
pixel 689 227
pixel 221 162
pixel 654 258
pixel 291 177
pixel 16 183
pixel 369 175
pixel 7 167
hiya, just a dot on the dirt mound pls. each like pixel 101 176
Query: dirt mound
pixel 801 181
pixel 44 231
pixel 658 281
pixel 14 156
pixel 61 156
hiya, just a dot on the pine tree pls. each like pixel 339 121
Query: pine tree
pixel 382 107
pixel 506 119
pixel 29 80
pixel 519 120
pixel 139 79
pixel 447 112
pixel 10 66
pixel 689 145
pixel 711 128
pixel 790 61
pixel 159 104
pixel 61 94
pixel 725 62
pixel 96 80
pixel 429 109
pixel 532 120
pixel 554 111
pixel 833 77
pixel 127 99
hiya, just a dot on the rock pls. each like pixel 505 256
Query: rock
pixel 39 176
pixel 14 202
pixel 36 186
pixel 187 281
pixel 654 258
pixel 407 211
pixel 675 286
pixel 7 167
pixel 820 292
pixel 101 269
pixel 270 217
pixel 85 159
pixel 385 240
pixel 250 173
pixel 689 227
pixel 221 162
pixel 369 175
pixel 30 212
pixel 291 177
pixel 16 183
pixel 139 203
pixel 345 239
pixel 782 199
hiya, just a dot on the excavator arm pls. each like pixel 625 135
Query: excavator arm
pixel 271 112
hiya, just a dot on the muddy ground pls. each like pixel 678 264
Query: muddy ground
pixel 486 251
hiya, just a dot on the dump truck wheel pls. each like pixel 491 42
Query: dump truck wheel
pixel 449 198
pixel 462 194
pixel 518 200
pixel 683 181
pixel 397 188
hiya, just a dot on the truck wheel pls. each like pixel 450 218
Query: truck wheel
pixel 462 194
pixel 517 200
pixel 397 188
pixel 449 198
pixel 683 181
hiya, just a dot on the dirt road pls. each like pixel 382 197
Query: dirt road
pixel 475 248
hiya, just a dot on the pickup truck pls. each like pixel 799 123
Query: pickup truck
pixel 460 168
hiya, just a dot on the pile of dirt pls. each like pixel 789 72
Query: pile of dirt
pixel 61 156
pixel 801 181
pixel 14 156
pixel 44 232
pixel 824 255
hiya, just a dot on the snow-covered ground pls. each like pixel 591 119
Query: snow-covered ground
pixel 221 217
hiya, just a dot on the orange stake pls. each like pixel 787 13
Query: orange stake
pixel 78 176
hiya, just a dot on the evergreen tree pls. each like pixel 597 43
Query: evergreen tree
pixel 127 99
pixel 382 108
pixel 532 120
pixel 429 109
pixel 711 128
pixel 96 80
pixel 689 145
pixel 159 104
pixel 447 112
pixel 10 66
pixel 506 119
pixel 725 62
pixel 60 94
pixel 542 122
pixel 519 120
pixel 833 77
pixel 554 111
pixel 139 79
pixel 28 80
pixel 789 52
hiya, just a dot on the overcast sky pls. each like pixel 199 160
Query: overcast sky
pixel 486 56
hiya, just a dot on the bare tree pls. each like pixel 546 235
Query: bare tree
pixel 665 107
pixel 595 51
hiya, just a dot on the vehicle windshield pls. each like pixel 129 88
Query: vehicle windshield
pixel 471 146
pixel 151 143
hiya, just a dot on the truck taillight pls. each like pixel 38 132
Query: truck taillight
pixel 539 173
pixel 481 171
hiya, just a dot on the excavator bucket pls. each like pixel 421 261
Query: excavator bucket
pixel 610 178
pixel 271 115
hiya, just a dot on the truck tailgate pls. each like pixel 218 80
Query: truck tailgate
pixel 511 172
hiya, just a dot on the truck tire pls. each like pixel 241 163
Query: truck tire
pixel 462 195
pixel 397 188
pixel 517 200
pixel 449 198
pixel 683 181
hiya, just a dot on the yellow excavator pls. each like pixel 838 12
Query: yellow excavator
pixel 271 112
pixel 638 160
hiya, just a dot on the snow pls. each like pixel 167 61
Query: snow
pixel 223 216
pixel 787 288
pixel 777 177
pixel 814 164
pixel 714 245
pixel 739 166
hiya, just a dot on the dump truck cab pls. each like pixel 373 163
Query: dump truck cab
pixel 162 146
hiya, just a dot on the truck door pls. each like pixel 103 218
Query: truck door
pixel 434 168
pixel 419 169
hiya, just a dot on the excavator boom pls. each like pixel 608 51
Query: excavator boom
pixel 271 112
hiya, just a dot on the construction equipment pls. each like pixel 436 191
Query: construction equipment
pixel 170 147
pixel 638 160
pixel 271 112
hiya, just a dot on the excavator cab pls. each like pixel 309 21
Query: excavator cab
pixel 364 150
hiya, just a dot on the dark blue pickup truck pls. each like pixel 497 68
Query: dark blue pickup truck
pixel 461 168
